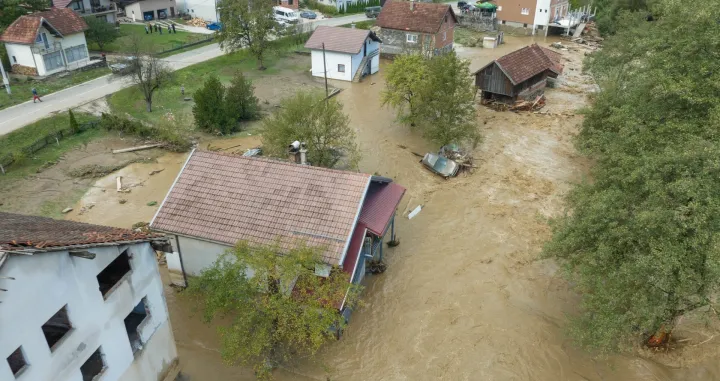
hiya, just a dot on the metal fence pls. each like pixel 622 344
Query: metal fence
pixel 194 40
pixel 53 138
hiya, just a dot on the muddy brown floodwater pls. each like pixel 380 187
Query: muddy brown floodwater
pixel 465 296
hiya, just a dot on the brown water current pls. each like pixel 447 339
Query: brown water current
pixel 465 296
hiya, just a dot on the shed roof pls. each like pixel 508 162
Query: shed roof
pixel 380 203
pixel 524 63
pixel 24 30
pixel 414 16
pixel 338 39
pixel 226 198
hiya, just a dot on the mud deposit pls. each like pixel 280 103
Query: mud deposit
pixel 465 296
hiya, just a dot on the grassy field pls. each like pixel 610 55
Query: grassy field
pixel 470 38
pixel 21 91
pixel 367 24
pixel 155 42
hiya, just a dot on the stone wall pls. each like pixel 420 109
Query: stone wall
pixel 395 42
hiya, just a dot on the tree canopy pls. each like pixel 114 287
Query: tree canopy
pixel 640 241
pixel 100 31
pixel 277 307
pixel 321 124
pixel 247 24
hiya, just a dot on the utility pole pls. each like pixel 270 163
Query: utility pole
pixel 324 72
pixel 5 79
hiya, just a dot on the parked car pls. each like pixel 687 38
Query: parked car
pixel 308 15
pixel 462 4
pixel 285 15
pixel 372 12
pixel 214 26
pixel 123 66
pixel 440 165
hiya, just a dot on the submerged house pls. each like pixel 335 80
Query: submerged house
pixel 219 199
pixel 520 74
pixel 82 302
pixel 411 26
pixel 347 54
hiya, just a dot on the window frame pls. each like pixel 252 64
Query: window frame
pixel 339 68
pixel 412 40
pixel 525 11
pixel 102 359
pixel 64 337
pixel 25 363
pixel 121 280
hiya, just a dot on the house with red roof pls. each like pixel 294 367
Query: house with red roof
pixel 105 10
pixel 411 26
pixel 520 74
pixel 346 54
pixel 45 43
pixel 82 302
pixel 219 199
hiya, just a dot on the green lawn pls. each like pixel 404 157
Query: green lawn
pixel 22 91
pixel 155 42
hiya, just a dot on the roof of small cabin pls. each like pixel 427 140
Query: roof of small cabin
pixel 227 198
pixel 525 63
pixel 422 18
pixel 338 39
pixel 25 29
pixel 380 203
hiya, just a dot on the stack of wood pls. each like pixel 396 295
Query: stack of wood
pixel 495 105
pixel 23 70
pixel 197 22
pixel 533 105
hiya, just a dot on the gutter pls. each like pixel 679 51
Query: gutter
pixel 357 216
pixel 171 187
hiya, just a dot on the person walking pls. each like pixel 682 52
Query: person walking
pixel 174 31
pixel 146 29
pixel 151 28
pixel 35 95
pixel 182 90
pixel 160 28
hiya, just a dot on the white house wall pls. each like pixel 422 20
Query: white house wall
pixel 375 61
pixel 22 53
pixel 333 59
pixel 44 283
pixel 150 5
pixel 356 59
pixel 198 254
pixel 204 9
pixel 542 12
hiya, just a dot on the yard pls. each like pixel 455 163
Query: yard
pixel 21 90
pixel 155 42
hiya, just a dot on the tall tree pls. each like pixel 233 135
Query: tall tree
pixel 641 242
pixel 101 32
pixel 247 24
pixel 10 10
pixel 320 123
pixel 147 71
pixel 240 100
pixel 403 82
pixel 209 109
pixel 283 310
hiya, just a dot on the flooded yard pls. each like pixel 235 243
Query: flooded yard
pixel 465 296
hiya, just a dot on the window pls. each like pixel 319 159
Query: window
pixel 93 367
pixel 114 273
pixel 444 36
pixel 290 2
pixel 341 68
pixel 138 315
pixel 499 8
pixel 38 39
pixel 17 362
pixel 524 25
pixel 76 5
pixel 14 59
pixel 56 328
pixel 412 38
pixel 525 11
pixel 503 22
pixel 76 53
pixel 53 60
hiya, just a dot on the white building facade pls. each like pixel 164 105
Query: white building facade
pixel 348 53
pixel 204 9
pixel 98 313
pixel 146 10
pixel 102 9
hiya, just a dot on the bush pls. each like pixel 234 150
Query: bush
pixel 322 8
pixel 209 110
pixel 74 127
pixel 240 101
pixel 174 138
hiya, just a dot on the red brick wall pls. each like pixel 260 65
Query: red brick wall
pixel 447 28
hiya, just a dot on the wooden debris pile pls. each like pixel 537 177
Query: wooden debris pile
pixel 590 36
pixel 495 105
pixel 464 159
pixel 197 22
pixel 533 105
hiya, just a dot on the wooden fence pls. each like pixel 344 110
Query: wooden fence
pixel 9 158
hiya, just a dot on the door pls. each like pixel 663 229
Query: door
pixel 45 41
pixel 172 11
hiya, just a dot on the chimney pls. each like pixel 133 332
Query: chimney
pixel 303 154
pixel 293 152
pixel 412 5
pixel 352 26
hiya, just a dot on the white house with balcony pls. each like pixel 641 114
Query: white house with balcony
pixel 45 43
pixel 101 9
pixel 346 54
pixel 81 302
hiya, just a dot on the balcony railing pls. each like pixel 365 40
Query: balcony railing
pixel 40 48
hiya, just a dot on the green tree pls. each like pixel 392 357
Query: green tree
pixel 640 242
pixel 74 127
pixel 608 12
pixel 10 10
pixel 446 108
pixel 247 24
pixel 283 310
pixel 321 124
pixel 210 111
pixel 240 100
pixel 101 32
pixel 403 80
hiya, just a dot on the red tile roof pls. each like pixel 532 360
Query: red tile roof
pixel 32 233
pixel 353 252
pixel 423 18
pixel 379 207
pixel 527 62
pixel 337 39
pixel 25 29
pixel 226 198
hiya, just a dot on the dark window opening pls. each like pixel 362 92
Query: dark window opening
pixel 17 362
pixel 524 25
pixel 133 321
pixel 57 327
pixel 341 68
pixel 14 59
pixel 93 366
pixel 114 272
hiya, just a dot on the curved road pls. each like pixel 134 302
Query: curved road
pixel 23 114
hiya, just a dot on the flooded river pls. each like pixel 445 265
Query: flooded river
pixel 465 296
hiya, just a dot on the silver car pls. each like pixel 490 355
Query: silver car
pixel 440 165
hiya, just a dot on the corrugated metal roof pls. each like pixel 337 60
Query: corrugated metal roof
pixel 379 207
pixel 226 198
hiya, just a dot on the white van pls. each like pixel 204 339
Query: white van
pixel 285 15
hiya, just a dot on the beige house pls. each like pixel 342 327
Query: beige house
pixel 533 15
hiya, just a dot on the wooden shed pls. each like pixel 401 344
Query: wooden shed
pixel 520 74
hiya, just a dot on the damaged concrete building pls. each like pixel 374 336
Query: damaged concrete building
pixel 81 302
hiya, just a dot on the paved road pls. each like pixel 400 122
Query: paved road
pixel 23 114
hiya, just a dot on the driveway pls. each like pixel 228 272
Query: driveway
pixel 23 114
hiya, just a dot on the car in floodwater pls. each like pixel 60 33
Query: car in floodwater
pixel 440 165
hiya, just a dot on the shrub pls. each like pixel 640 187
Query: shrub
pixel 74 127
pixel 240 101
pixel 175 138
pixel 209 110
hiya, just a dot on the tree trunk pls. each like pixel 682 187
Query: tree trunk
pixel 260 62
pixel 149 105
